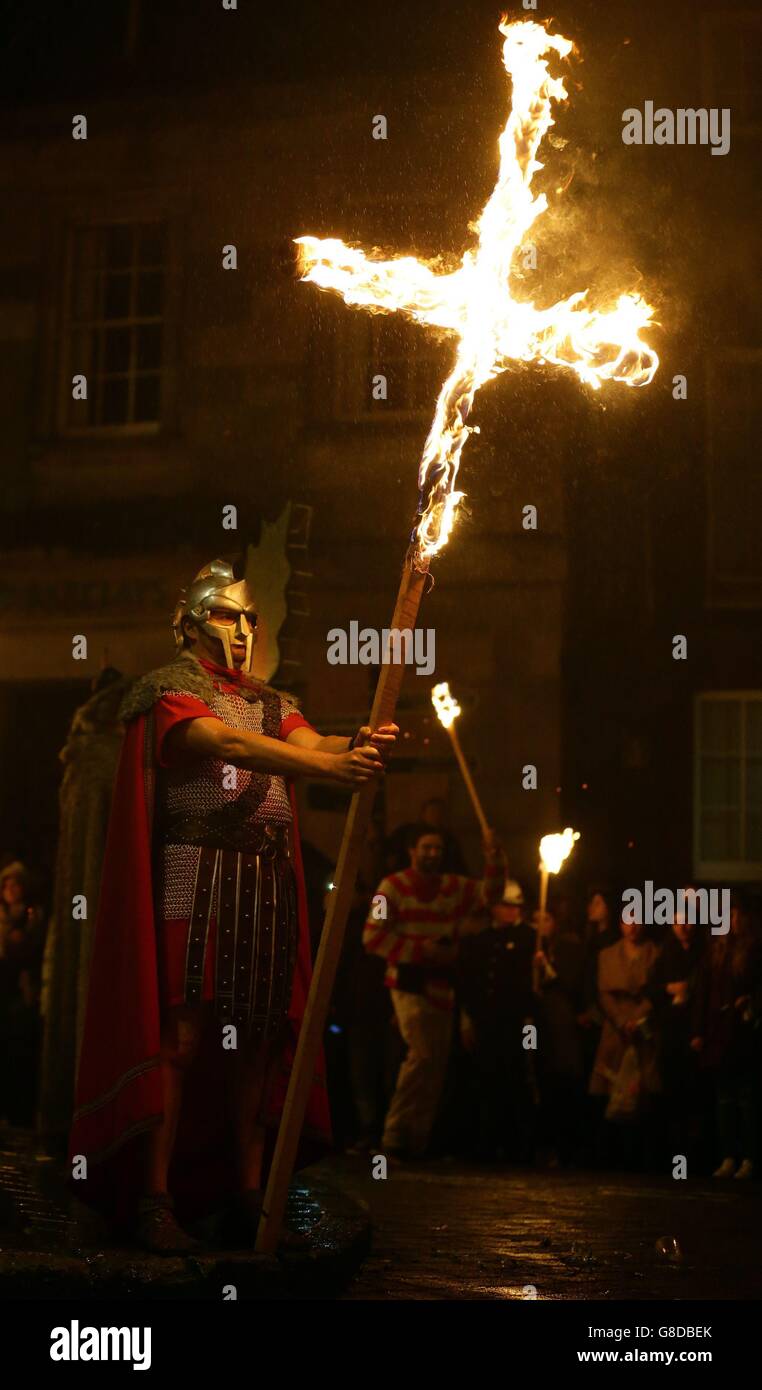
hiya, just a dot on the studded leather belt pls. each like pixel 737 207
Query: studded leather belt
pixel 221 830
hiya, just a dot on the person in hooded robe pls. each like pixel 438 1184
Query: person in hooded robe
pixel 89 756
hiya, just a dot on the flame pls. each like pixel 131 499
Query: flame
pixel 475 303
pixel 445 704
pixel 554 849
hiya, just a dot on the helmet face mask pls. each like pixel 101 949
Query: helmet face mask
pixel 237 630
pixel 222 608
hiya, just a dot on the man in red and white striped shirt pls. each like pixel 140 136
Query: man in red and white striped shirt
pixel 415 922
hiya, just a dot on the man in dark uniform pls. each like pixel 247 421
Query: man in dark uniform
pixel 494 990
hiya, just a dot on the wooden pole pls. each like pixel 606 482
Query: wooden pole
pixel 468 779
pixel 311 1033
pixel 544 876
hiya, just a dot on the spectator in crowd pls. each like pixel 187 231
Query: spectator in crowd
pixel 625 1071
pixel 89 756
pixel 726 1015
pixel 558 970
pixel 414 925
pixel 494 987
pixel 600 931
pixel 434 816
pixel 22 940
pixel 671 989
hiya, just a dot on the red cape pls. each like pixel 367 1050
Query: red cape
pixel 119 1088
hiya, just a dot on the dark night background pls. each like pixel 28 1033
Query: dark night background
pixel 253 126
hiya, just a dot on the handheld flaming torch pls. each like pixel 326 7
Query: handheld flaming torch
pixel 448 709
pixel 492 331
pixel 554 851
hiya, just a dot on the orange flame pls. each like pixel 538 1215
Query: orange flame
pixel 445 704
pixel 475 303
pixel 554 849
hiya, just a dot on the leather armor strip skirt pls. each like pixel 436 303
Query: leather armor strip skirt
pixel 248 902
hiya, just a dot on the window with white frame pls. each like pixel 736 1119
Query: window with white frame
pixel 412 363
pixel 728 785
pixel 114 327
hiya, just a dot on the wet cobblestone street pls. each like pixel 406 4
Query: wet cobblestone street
pixel 439 1231
pixel 53 1247
pixel 450 1231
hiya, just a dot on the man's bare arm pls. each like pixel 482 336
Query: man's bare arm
pixel 210 738
pixel 319 743
pixel 383 739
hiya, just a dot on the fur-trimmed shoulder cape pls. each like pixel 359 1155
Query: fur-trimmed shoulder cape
pixel 186 676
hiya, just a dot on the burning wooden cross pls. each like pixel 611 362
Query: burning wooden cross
pixel 492 330
pixel 474 302
pixel 448 709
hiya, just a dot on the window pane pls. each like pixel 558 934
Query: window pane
pixel 114 402
pixel 83 354
pixel 425 381
pixel 754 837
pixel 149 337
pixel 116 297
pixel 149 296
pixel 720 726
pixel 147 398
pixel 754 726
pixel 754 782
pixel 152 244
pixel 79 414
pixel 86 297
pixel 116 349
pixel 720 782
pixel 720 837
pixel 118 244
pixel 96 339
pixel 407 358
pixel 85 256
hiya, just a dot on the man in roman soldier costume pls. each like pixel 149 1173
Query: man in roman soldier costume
pixel 201 963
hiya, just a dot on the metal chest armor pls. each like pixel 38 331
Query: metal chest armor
pixel 222 836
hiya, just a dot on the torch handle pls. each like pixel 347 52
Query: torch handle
pixel 536 981
pixel 468 779
pixel 327 960
pixel 543 891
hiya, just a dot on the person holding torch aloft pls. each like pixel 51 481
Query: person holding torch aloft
pixel 416 922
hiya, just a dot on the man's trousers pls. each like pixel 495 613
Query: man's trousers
pixel 427 1032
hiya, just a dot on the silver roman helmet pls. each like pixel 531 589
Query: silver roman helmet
pixel 216 588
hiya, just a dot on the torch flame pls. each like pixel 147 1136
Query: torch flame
pixel 445 704
pixel 474 302
pixel 554 849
